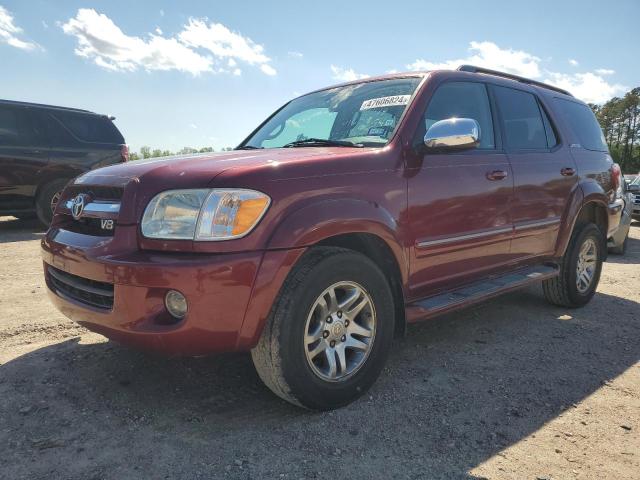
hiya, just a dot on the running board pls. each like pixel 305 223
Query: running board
pixel 477 292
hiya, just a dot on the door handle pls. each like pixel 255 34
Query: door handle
pixel 497 175
pixel 567 171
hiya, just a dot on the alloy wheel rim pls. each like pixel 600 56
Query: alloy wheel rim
pixel 340 331
pixel 586 267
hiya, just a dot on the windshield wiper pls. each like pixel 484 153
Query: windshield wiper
pixel 312 142
pixel 248 147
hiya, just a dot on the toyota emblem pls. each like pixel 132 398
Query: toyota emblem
pixel 77 205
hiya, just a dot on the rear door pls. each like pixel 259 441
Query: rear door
pixel 23 156
pixel 544 172
pixel 459 201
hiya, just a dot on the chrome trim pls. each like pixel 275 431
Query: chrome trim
pixel 542 223
pixel 453 133
pixel 459 238
pixel 97 207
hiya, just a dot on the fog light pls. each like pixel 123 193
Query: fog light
pixel 176 303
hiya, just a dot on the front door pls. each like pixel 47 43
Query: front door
pixel 459 201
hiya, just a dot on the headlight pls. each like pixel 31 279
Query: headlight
pixel 203 214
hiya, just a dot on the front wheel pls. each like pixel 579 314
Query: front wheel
pixel 579 269
pixel 329 332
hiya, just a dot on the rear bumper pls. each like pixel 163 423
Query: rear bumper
pixel 614 211
pixel 218 289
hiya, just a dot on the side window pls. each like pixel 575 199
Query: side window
pixel 462 100
pixel 89 128
pixel 523 126
pixel 583 123
pixel 17 128
pixel 9 132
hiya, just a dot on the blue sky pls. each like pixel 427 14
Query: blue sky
pixel 205 73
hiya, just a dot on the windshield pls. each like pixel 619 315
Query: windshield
pixel 362 115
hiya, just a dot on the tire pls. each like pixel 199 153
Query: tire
pixel 45 198
pixel 282 354
pixel 563 290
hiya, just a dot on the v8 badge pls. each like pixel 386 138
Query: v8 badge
pixel 106 224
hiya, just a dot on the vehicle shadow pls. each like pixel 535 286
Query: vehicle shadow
pixel 16 230
pixel 457 390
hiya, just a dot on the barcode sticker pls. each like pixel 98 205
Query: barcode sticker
pixel 385 102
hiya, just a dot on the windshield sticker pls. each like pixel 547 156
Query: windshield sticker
pixel 385 102
pixel 377 131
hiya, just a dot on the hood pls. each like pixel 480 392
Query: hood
pixel 194 171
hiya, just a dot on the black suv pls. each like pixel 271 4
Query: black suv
pixel 43 147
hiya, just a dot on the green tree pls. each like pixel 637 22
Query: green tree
pixel 620 122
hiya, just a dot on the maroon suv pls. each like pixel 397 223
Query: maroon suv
pixel 348 213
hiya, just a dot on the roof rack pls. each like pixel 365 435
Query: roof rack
pixel 517 78
pixel 41 105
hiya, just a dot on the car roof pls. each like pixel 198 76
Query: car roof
pixel 501 78
pixel 15 103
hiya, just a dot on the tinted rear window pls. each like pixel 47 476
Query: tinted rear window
pixel 523 124
pixel 583 123
pixel 89 128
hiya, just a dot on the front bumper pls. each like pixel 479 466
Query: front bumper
pixel 217 286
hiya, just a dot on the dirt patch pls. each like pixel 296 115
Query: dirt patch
pixel 513 388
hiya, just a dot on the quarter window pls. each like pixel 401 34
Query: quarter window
pixel 523 124
pixel 462 100
pixel 584 124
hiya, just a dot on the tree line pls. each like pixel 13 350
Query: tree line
pixel 148 152
pixel 620 122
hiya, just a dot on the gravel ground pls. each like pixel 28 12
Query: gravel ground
pixel 513 389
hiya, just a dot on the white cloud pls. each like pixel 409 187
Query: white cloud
pixel 488 55
pixel 198 48
pixel 587 86
pixel 346 74
pixel 294 54
pixel 268 69
pixel 10 32
pixel 224 43
pixel 161 12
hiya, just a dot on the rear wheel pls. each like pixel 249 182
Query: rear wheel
pixel 329 332
pixel 579 269
pixel 47 200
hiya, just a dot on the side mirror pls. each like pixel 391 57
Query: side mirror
pixel 453 134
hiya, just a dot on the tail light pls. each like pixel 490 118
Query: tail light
pixel 616 178
pixel 124 153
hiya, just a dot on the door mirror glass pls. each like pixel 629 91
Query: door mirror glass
pixel 453 134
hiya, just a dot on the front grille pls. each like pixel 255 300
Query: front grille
pixel 90 292
pixel 96 192
pixel 86 226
